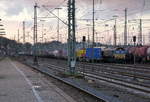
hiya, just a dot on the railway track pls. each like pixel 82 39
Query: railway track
pixel 100 97
pixel 116 70
pixel 81 70
pixel 145 66
pixel 100 68
pixel 137 68
pixel 140 88
pixel 104 76
pixel 110 72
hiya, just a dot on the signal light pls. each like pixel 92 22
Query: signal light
pixel 134 38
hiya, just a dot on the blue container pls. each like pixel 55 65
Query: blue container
pixel 94 53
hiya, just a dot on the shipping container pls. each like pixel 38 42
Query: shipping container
pixel 148 51
pixel 140 51
pixel 93 54
pixel 131 50
pixel 80 54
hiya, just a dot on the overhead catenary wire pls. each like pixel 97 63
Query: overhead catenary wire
pixel 100 23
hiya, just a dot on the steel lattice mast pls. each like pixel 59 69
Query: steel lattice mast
pixel 71 36
pixel 35 34
pixel 24 35
pixel 125 28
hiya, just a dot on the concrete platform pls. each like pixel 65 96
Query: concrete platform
pixel 21 84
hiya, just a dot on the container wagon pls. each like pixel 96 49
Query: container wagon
pixel 93 54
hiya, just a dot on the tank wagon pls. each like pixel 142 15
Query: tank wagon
pixel 109 54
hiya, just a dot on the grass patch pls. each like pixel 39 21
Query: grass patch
pixel 73 75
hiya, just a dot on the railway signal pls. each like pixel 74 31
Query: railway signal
pixel 84 40
pixel 134 39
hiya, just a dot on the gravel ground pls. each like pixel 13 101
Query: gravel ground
pixel 77 95
pixel 103 87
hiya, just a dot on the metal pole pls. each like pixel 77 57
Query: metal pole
pixel 18 36
pixel 140 34
pixel 24 32
pixel 58 27
pixel 149 37
pixel 115 33
pixel 88 32
pixel 42 33
pixel 96 40
pixel 71 36
pixel 18 48
pixel 58 24
pixel 93 43
pixel 93 37
pixel 134 78
pixel 88 37
pixel 134 55
pixel 125 28
pixel 35 34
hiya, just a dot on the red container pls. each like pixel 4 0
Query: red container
pixel 148 51
pixel 131 50
pixel 141 51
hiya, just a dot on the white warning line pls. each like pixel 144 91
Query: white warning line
pixel 36 94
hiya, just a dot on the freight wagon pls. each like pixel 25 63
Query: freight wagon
pixel 108 54
pixel 93 54
pixel 120 55
pixel 81 55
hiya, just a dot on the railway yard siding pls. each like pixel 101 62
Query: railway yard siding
pixel 110 79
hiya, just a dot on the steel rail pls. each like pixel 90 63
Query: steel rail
pixel 95 93
pixel 118 65
pixel 113 70
pixel 138 87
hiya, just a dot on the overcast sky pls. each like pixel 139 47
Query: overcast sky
pixel 13 12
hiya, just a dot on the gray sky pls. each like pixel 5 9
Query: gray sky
pixel 13 12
